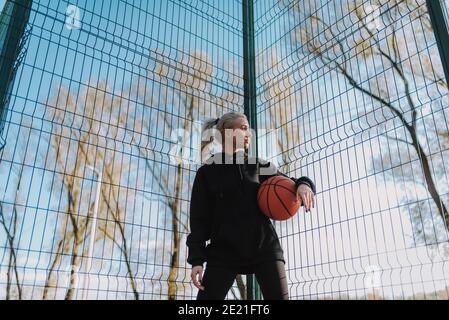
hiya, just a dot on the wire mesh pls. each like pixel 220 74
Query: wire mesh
pixel 356 98
pixel 94 197
pixel 102 136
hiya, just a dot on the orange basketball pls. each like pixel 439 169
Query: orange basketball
pixel 277 198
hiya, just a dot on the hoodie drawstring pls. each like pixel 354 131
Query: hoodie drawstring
pixel 241 179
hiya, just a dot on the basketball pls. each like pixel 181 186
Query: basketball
pixel 277 198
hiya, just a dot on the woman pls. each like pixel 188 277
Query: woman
pixel 224 210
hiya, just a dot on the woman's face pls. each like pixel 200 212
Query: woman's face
pixel 241 133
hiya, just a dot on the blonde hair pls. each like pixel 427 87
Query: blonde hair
pixel 226 121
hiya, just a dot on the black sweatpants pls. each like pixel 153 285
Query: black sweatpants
pixel 270 275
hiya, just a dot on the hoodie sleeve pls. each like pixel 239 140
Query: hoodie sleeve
pixel 272 171
pixel 199 220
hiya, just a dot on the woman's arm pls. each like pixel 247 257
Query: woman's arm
pixel 199 220
pixel 268 170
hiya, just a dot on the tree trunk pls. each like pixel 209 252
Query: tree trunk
pixel 174 261
pixel 442 210
pixel 174 264
pixel 52 268
pixel 74 269
pixel 127 261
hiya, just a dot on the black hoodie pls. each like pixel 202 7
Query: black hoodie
pixel 224 210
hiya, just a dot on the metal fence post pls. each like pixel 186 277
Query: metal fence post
pixel 441 31
pixel 249 83
pixel 13 21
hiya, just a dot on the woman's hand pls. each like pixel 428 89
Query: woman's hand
pixel 197 276
pixel 305 194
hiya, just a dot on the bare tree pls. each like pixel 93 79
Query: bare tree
pixel 110 199
pixel 10 223
pixel 384 53
pixel 75 140
pixel 75 150
pixel 277 95
pixel 10 230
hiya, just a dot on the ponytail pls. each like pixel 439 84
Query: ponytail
pixel 226 121
pixel 209 124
